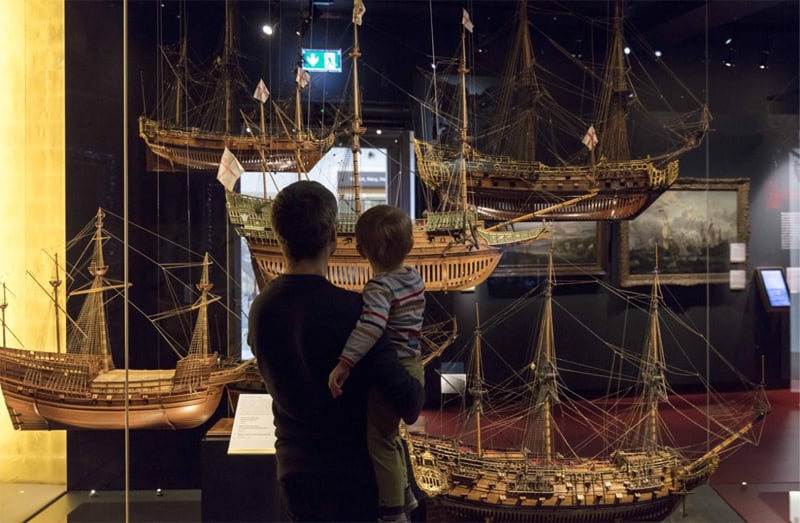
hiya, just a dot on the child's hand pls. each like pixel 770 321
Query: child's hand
pixel 337 377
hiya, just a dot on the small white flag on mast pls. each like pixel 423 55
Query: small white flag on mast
pixel 358 11
pixel 465 21
pixel 230 170
pixel 262 93
pixel 590 138
pixel 303 78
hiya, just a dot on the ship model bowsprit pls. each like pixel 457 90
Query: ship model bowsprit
pixel 534 149
pixel 82 388
pixel 567 458
pixel 452 250
pixel 199 114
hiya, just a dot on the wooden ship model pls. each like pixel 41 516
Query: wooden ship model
pixel 453 249
pixel 82 388
pixel 193 125
pixel 579 460
pixel 519 163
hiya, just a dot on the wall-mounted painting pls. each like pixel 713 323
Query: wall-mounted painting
pixel 578 248
pixel 691 227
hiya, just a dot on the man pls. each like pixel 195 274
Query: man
pixel 297 327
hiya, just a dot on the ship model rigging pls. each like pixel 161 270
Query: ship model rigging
pixel 453 249
pixel 532 152
pixel 199 115
pixel 82 388
pixel 567 458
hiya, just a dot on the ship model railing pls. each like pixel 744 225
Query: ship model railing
pixel 449 220
pixel 138 389
pixel 63 372
pixel 308 140
pixel 250 216
pixel 192 373
pixel 526 487
pixel 436 164
pixel 65 378
pixel 346 222
pixel 509 237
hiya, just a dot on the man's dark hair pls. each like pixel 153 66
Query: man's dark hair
pixel 303 216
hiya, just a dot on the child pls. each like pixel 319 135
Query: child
pixel 394 300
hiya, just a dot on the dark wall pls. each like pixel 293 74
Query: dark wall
pixel 753 135
pixel 174 218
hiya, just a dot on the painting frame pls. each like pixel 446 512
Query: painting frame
pixel 678 219
pixel 563 237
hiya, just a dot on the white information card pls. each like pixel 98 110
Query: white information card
pixel 253 428
pixel 738 279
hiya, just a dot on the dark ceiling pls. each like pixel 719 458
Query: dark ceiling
pixel 692 33
pixel 399 38
pixel 675 20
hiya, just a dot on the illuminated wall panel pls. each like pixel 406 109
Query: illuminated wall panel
pixel 32 208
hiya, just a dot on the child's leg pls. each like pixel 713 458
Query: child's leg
pixel 386 451
pixel 415 369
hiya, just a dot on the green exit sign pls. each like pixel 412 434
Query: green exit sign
pixel 322 60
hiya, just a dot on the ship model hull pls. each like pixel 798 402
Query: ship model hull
pixel 508 486
pixel 446 262
pixel 45 390
pixel 622 195
pixel 178 150
pixel 504 189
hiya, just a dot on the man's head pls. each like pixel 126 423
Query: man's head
pixel 384 235
pixel 303 216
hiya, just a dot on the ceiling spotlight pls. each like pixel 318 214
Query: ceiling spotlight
pixel 378 131
pixel 305 23
pixel 730 58
pixel 268 29
pixel 658 53
pixel 627 50
pixel 763 62
pixel 577 48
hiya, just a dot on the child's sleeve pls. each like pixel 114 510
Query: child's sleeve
pixel 377 301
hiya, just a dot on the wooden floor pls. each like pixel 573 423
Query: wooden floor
pixel 752 486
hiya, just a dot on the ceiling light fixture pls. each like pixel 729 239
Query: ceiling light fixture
pixel 730 58
pixel 763 62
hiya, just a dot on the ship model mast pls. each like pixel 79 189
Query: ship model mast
pixel 515 169
pixel 187 136
pixel 452 249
